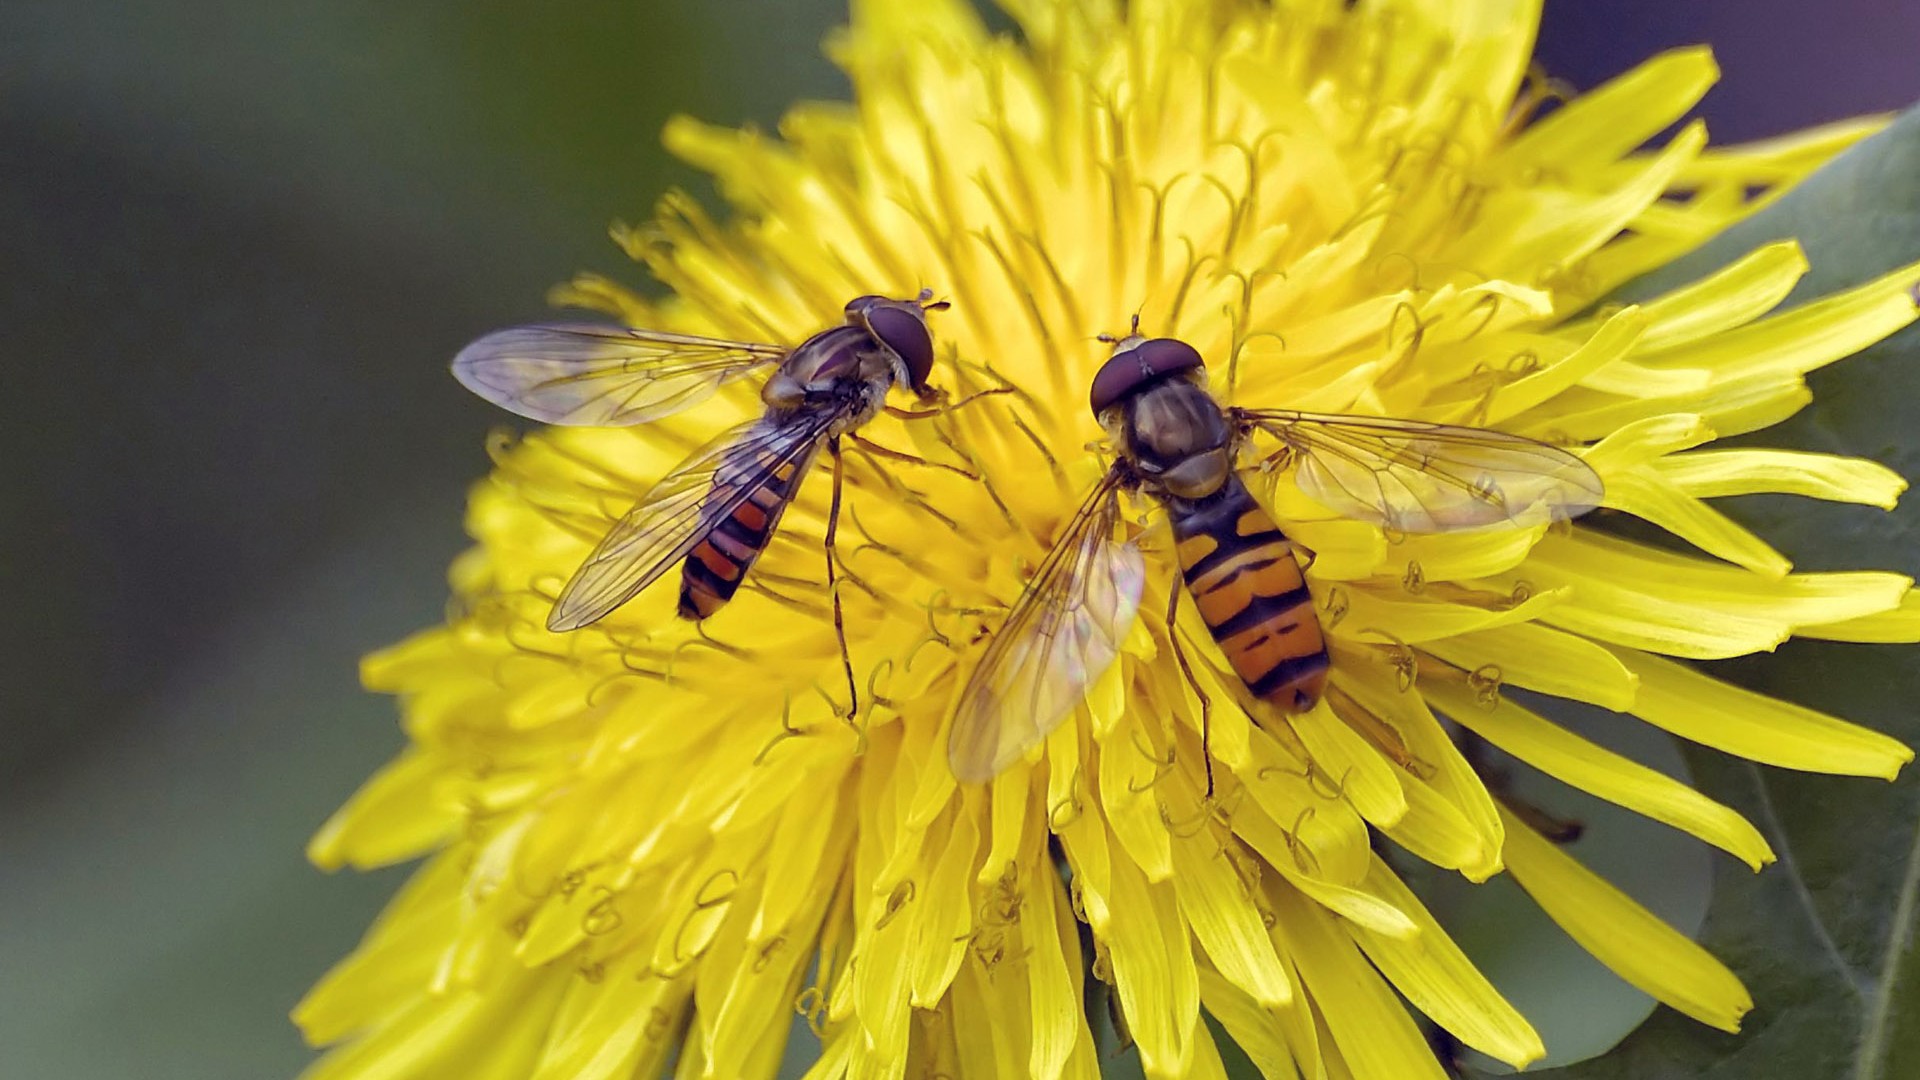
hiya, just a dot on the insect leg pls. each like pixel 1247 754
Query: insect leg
pixel 945 406
pixel 833 582
pixel 1206 703
pixel 877 450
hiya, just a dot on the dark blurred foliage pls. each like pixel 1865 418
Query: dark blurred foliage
pixel 238 242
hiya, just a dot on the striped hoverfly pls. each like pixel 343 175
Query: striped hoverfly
pixel 716 511
pixel 1171 440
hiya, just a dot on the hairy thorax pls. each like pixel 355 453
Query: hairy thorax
pixel 841 365
pixel 1178 440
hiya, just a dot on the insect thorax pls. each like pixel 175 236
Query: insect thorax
pixel 1177 439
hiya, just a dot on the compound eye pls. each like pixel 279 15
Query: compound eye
pixel 857 307
pixel 906 333
pixel 1165 356
pixel 1139 367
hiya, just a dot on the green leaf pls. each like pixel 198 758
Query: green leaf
pixel 1824 938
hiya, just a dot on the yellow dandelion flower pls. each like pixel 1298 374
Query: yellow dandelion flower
pixel 654 839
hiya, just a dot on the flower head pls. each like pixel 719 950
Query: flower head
pixel 652 836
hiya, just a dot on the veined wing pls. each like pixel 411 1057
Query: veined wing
pixel 602 376
pixel 1065 630
pixel 687 504
pixel 1418 477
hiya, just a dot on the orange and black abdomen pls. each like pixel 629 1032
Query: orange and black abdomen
pixel 716 565
pixel 1240 570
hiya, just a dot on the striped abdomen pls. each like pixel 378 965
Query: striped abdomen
pixel 1240 570
pixel 716 565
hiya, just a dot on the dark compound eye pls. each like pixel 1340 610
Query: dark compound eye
pixel 1137 368
pixel 905 332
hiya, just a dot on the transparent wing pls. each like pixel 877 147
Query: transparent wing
pixel 1065 630
pixel 602 376
pixel 1418 477
pixel 687 504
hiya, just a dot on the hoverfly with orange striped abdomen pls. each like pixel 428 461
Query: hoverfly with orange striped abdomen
pixel 1172 441
pixel 716 511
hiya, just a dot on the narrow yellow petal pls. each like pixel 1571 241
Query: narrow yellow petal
pixel 1623 935
pixel 1461 555
pixel 1153 970
pixel 1781 158
pixel 1900 625
pixel 1635 596
pixel 1567 757
pixel 438 1033
pixel 799 846
pixel 1436 830
pixel 1428 753
pixel 1206 1063
pixel 1807 337
pixel 1646 440
pixel 1357 769
pixel 626 1020
pixel 1601 126
pixel 1647 496
pixel 986 1031
pixel 1755 726
pixel 1610 342
pixel 1050 960
pixel 1252 1026
pixel 1710 474
pixel 1731 408
pixel 397 814
pixel 1538 657
pixel 1126 794
pixel 942 919
pixel 396 957
pixel 1734 295
pixel 1369 1025
pixel 1440 981
pixel 1540 227
pixel 1323 834
pixel 1217 904
pixel 1414 619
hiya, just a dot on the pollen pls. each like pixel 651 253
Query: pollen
pixel 654 838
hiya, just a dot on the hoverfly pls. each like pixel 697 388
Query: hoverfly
pixel 1173 441
pixel 715 512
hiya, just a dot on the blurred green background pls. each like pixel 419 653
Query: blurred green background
pixel 237 244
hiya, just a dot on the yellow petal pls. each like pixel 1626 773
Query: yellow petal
pixel 1368 1024
pixel 1647 496
pixel 1323 834
pixel 942 919
pixel 1601 126
pixel 1710 474
pixel 1635 596
pixel 1366 779
pixel 1441 833
pixel 1754 726
pixel 1567 757
pixel 1899 625
pixel 1623 935
pixel 1440 981
pixel 1430 756
pixel 1153 970
pixel 1807 337
pixel 1541 658
pixel 1216 903
pixel 1250 1025
pixel 1734 295
pixel 1126 793
pixel 1051 960
pixel 396 815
